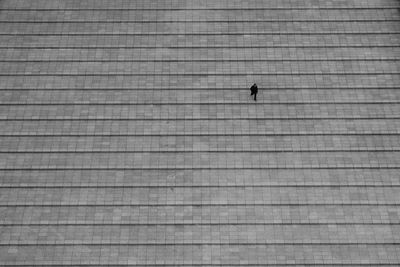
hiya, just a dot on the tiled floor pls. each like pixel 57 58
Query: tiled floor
pixel 128 136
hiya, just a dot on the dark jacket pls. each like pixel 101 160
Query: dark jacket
pixel 254 89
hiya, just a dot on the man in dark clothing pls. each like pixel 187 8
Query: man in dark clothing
pixel 254 91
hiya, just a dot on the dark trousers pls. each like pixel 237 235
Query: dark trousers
pixel 255 95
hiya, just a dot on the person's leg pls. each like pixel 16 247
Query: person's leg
pixel 255 97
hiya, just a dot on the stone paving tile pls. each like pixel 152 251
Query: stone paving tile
pixel 196 112
pixel 180 80
pixel 201 178
pixel 201 127
pixel 301 215
pixel 197 96
pixel 128 136
pixel 189 255
pixel 200 46
pixel 221 195
pixel 210 143
pixel 194 234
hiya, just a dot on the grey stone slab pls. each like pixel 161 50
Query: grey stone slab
pixel 294 215
pixel 199 160
pixel 200 127
pixel 213 46
pixel 188 255
pixel 90 4
pixel 196 111
pixel 272 27
pixel 179 80
pixel 194 234
pixel 201 67
pixel 199 143
pixel 128 136
pixel 201 196
pixel 197 96
pixel 201 178
pixel 140 16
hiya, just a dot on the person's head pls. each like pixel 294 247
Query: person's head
pixel 254 84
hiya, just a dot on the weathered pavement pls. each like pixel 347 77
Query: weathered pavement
pixel 128 136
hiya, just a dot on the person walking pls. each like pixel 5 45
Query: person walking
pixel 254 91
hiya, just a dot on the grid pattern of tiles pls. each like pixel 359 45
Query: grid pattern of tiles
pixel 128 136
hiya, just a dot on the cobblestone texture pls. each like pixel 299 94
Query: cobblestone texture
pixel 129 138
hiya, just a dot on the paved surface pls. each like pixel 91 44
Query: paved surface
pixel 128 136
